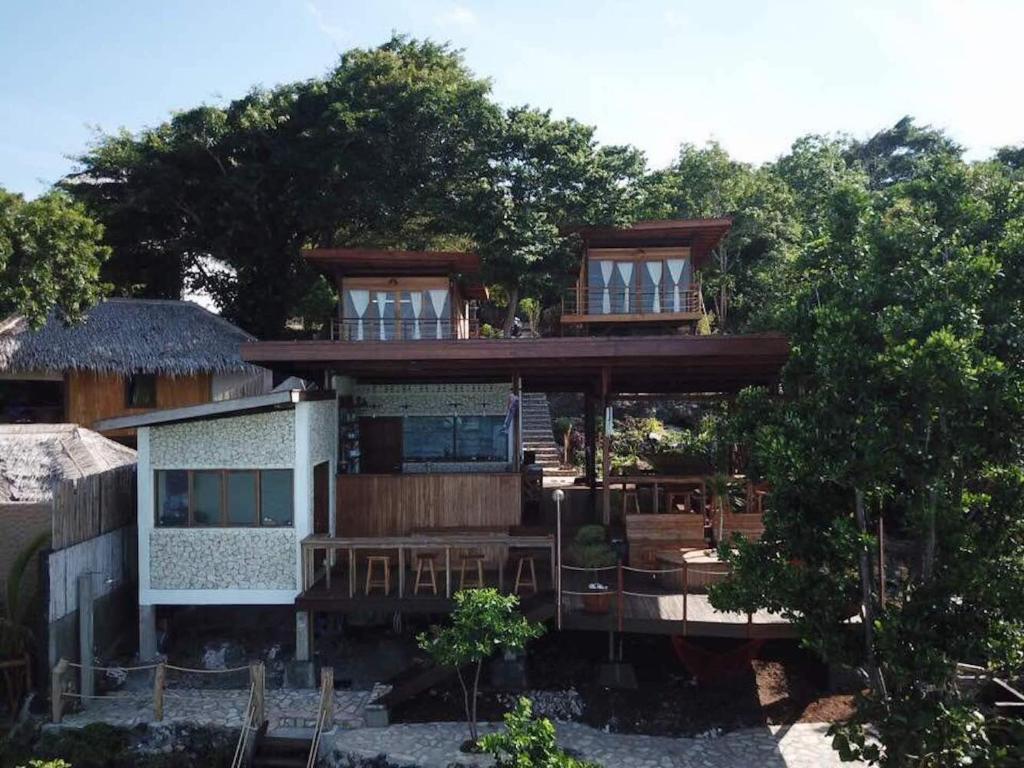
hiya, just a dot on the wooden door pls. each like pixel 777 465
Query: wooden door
pixel 380 446
pixel 321 498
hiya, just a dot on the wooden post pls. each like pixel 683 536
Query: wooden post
pixel 517 422
pixel 448 572
pixel 57 690
pixel 686 590
pixel 606 458
pixel 257 681
pixel 159 683
pixel 352 572
pixel 327 684
pixel 401 572
pixel 881 561
pixel 621 597
pixel 590 451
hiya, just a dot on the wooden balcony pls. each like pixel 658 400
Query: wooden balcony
pixel 376 330
pixel 633 305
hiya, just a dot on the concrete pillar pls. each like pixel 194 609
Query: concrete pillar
pixel 303 635
pixel 86 633
pixel 147 633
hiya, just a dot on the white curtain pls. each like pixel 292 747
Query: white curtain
pixel 360 301
pixel 416 301
pixel 654 270
pixel 606 279
pixel 675 272
pixel 626 272
pixel 382 310
pixel 437 299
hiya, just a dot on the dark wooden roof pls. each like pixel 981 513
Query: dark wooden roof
pixel 700 235
pixel 362 262
pixel 655 364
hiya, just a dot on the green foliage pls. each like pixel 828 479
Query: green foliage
pixel 590 548
pixel 528 742
pixel 16 638
pixel 50 257
pixel 531 308
pixel 482 623
pixel 903 404
pixel 47 764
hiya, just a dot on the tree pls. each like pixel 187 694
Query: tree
pixel 482 623
pixel 383 150
pixel 901 153
pixel 50 257
pixel 904 407
pixel 543 176
pixel 528 741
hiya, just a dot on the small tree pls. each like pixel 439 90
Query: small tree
pixel 528 741
pixel 483 622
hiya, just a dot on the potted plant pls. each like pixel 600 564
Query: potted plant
pixel 590 549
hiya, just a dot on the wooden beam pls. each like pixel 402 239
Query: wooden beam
pixel 606 458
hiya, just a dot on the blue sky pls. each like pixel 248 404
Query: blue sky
pixel 753 74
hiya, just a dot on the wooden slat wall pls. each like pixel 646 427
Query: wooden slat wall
pixel 93 396
pixel 395 505
pixel 93 505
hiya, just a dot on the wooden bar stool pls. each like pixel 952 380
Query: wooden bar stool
pixel 520 581
pixel 425 559
pixel 629 493
pixel 384 583
pixel 471 560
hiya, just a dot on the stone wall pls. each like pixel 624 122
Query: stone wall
pixel 433 399
pixel 257 441
pixel 222 558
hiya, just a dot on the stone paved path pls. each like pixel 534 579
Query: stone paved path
pixel 285 708
pixel 436 745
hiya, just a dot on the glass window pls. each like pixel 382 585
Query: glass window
pixel 481 438
pixel 428 438
pixel 140 391
pixel 171 497
pixel 241 501
pixel 276 496
pixel 206 498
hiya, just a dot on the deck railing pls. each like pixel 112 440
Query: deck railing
pixel 374 329
pixel 495 545
pixel 668 301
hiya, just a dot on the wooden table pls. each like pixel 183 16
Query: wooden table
pixel 701 567
pixel 441 539
pixel 659 480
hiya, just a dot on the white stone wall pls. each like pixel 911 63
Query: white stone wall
pixel 434 399
pixel 222 558
pixel 254 441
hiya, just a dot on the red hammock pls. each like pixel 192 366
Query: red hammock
pixel 707 666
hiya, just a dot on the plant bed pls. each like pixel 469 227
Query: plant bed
pixel 785 685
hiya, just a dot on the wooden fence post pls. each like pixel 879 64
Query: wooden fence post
pixel 159 683
pixel 327 684
pixel 57 690
pixel 257 681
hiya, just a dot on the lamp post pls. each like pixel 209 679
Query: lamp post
pixel 559 497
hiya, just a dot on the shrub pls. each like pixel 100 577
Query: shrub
pixel 590 549
pixel 528 741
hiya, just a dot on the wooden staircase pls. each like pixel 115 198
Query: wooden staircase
pixel 281 752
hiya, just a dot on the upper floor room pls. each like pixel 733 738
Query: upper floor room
pixel 647 274
pixel 402 295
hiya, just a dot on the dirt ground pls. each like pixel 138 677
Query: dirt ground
pixel 783 685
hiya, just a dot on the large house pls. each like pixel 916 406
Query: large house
pixel 404 480
pixel 126 356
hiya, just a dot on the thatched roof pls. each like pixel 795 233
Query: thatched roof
pixel 34 457
pixel 175 338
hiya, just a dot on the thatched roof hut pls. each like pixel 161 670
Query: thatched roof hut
pixel 124 336
pixel 35 457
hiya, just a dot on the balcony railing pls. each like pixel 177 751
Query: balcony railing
pixel 374 329
pixel 618 301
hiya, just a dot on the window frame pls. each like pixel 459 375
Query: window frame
pixel 129 387
pixel 223 521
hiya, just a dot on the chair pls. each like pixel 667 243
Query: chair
pixel 384 583
pixel 471 560
pixel 531 582
pixel 425 564
pixel 630 493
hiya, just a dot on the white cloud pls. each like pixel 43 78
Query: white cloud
pixel 333 31
pixel 457 16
